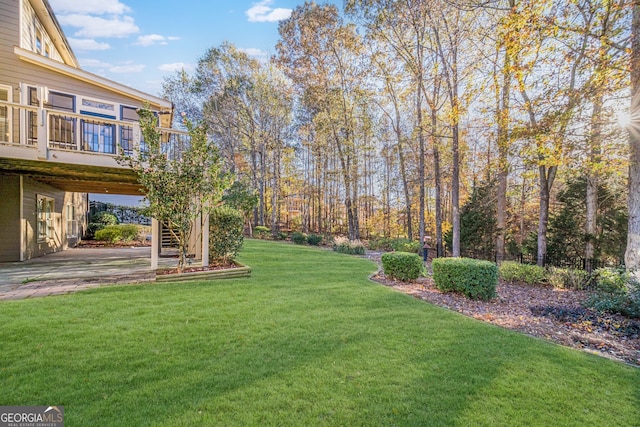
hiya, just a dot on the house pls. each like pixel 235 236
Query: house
pixel 61 129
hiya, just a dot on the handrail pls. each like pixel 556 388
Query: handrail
pixel 63 130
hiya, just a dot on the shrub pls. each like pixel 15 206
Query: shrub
pixel 261 232
pixel 298 238
pixel 346 246
pixel 567 278
pixel 616 291
pixel 472 278
pixel 282 236
pixel 100 220
pixel 117 233
pixel 412 247
pixel 226 226
pixel 314 239
pixel 402 265
pixel 512 271
pixel 399 245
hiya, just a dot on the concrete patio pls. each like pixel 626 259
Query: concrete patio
pixel 76 269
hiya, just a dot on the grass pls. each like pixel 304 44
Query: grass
pixel 307 340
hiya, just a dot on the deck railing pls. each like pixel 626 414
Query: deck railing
pixel 27 126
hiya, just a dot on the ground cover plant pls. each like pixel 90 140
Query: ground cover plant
pixel 307 340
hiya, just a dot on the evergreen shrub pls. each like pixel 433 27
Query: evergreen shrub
pixel 403 266
pixel 314 239
pixel 226 227
pixel 261 232
pixel 117 233
pixel 616 291
pixel 472 278
pixel 298 238
pixel 399 245
pixel 100 220
pixel 512 271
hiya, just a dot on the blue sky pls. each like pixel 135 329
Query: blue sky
pixel 138 42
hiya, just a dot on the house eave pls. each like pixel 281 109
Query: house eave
pixel 79 74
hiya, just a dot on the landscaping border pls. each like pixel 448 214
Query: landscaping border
pixel 229 273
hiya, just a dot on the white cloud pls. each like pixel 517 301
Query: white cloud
pixel 128 68
pixel 90 7
pixel 94 63
pixel 252 51
pixel 92 26
pixel 152 39
pixel 176 66
pixel 87 44
pixel 262 12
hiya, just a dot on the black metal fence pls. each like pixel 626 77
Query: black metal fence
pixel 576 263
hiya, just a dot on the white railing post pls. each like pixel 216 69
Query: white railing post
pixel 155 243
pixel 42 135
pixel 137 138
pixel 205 237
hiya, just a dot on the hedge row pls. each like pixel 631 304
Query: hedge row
pixel 403 266
pixel 472 278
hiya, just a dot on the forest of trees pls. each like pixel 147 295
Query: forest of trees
pixel 493 126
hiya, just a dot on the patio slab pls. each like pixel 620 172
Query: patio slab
pixel 76 269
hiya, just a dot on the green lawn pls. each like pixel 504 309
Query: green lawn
pixel 307 340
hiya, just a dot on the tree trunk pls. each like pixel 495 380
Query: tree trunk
pixel 455 190
pixel 438 185
pixel 593 179
pixel 632 254
pixel 547 177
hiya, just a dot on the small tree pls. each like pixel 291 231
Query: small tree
pixel 242 197
pixel 180 185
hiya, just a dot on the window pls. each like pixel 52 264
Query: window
pixel 62 128
pixel 98 137
pixel 5 115
pixel 128 114
pixel 38 47
pixel 32 131
pixel 72 224
pixel 44 210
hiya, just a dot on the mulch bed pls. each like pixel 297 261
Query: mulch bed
pixel 541 311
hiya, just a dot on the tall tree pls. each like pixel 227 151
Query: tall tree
pixel 632 255
pixel 321 54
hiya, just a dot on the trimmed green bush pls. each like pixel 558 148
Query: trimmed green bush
pixel 117 233
pixel 100 220
pixel 298 238
pixel 616 291
pixel 346 246
pixel 314 239
pixel 512 271
pixel 472 278
pixel 226 227
pixel 261 232
pixel 403 266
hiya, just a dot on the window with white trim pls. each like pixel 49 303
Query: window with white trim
pixel 5 114
pixel 72 223
pixel 44 213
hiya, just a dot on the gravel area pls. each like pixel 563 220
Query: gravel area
pixel 540 311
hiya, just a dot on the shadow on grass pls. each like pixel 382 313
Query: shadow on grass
pixel 305 341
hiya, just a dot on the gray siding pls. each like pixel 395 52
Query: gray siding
pixel 10 218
